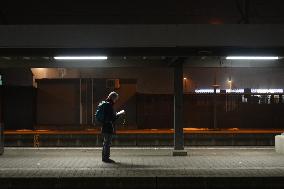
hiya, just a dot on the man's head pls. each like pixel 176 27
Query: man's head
pixel 113 96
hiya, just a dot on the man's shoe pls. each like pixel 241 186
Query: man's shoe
pixel 108 161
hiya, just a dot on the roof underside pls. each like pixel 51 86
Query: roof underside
pixel 142 12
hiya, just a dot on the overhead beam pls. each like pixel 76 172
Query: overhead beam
pixel 127 37
pixel 111 63
pixel 145 51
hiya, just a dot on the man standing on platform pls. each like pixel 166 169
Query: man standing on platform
pixel 106 115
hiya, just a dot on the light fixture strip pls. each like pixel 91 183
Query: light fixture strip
pixel 252 57
pixel 80 57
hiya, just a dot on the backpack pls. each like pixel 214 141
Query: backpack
pixel 100 113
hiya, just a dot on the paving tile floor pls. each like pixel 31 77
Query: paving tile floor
pixel 142 162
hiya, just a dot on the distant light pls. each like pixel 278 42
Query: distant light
pixel 80 57
pixel 252 57
pixel 267 90
pixel 230 79
pixel 260 91
pixel 185 78
pixel 235 90
pixel 206 91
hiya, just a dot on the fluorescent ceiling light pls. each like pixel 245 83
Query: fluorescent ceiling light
pixel 252 57
pixel 80 57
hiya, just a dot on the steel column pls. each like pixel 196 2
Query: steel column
pixel 178 110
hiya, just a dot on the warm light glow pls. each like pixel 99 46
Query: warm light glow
pixel 252 57
pixel 80 57
pixel 185 78
pixel 195 129
pixel 23 130
pixel 233 129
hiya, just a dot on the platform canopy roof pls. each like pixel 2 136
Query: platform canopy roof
pixel 142 28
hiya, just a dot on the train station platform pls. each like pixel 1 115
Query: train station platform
pixel 204 167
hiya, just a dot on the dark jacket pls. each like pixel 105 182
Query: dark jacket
pixel 109 117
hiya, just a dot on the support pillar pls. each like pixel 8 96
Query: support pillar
pixel 178 111
pixel 1 123
pixel 215 126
